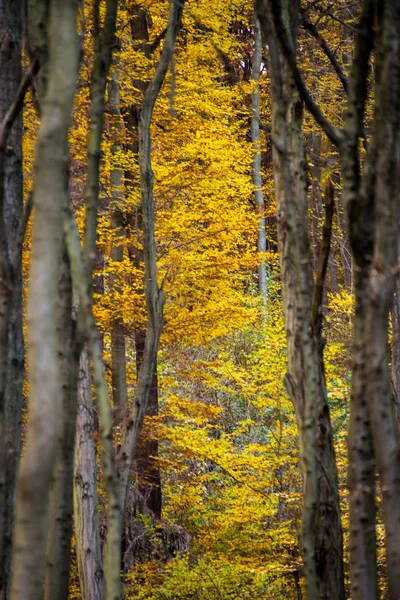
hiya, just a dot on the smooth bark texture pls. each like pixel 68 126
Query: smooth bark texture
pixel 153 294
pixel 88 549
pixel 321 536
pixel 11 338
pixel 45 414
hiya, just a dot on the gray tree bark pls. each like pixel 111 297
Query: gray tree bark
pixel 321 535
pixel 50 196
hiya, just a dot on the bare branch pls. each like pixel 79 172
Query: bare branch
pixel 20 236
pixel 335 135
pixel 17 104
pixel 312 29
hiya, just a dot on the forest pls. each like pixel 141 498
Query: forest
pixel 199 299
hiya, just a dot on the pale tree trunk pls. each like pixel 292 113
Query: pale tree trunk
pixel 153 294
pixel 11 338
pixel 321 536
pixel 257 176
pixel 88 549
pixel 60 526
pixel 82 264
pixel 45 414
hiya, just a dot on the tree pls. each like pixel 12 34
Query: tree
pixel 11 229
pixel 49 199
pixel 372 209
pixel 321 535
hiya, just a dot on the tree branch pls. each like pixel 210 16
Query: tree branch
pixel 20 236
pixel 335 135
pixel 312 29
pixel 17 104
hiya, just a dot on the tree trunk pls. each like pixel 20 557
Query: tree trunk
pixel 396 346
pixel 321 528
pixel 88 550
pixel 11 338
pixel 383 272
pixel 50 196
pixel 60 527
pixel 149 480
pixel 153 294
pixel 118 351
pixel 257 177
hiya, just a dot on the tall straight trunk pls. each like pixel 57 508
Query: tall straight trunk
pixel 372 203
pixel 257 176
pixel 60 527
pixel 321 537
pixel 11 338
pixel 50 196
pixel 88 549
pixel 153 294
pixel 118 350
pixel 383 272
pixel 314 143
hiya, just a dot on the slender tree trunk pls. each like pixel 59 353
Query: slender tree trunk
pixel 314 143
pixel 383 272
pixel 11 338
pixel 88 550
pixel 149 480
pixel 321 528
pixel 147 496
pixel 50 196
pixel 118 350
pixel 153 294
pixel 257 177
pixel 60 527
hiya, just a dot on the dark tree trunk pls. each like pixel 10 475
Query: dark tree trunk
pixel 321 536
pixel 12 345
pixel 148 472
pixel 61 497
